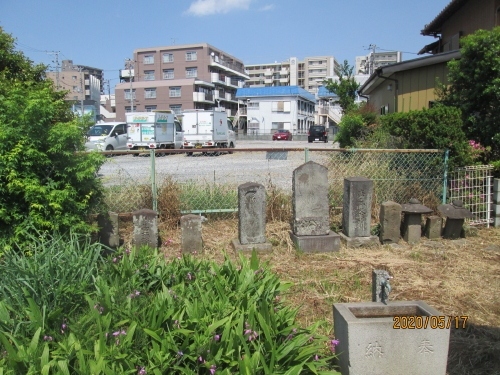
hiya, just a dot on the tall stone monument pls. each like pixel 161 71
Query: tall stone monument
pixel 251 218
pixel 311 218
pixel 145 228
pixel 357 212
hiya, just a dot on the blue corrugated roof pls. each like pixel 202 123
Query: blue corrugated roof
pixel 323 92
pixel 255 92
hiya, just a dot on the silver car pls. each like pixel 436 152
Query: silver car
pixel 107 136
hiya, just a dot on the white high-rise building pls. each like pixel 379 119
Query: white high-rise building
pixel 367 64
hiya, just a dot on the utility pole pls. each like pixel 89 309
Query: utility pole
pixel 129 62
pixel 56 53
pixel 371 69
pixel 81 89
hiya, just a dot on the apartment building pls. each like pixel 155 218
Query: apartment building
pixel 180 77
pixel 369 63
pixel 308 73
pixel 84 85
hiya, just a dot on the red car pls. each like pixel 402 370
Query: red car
pixel 282 134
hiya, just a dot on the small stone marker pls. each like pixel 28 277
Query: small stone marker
pixel 109 234
pixel 251 218
pixel 357 212
pixel 390 222
pixel 191 239
pixel 412 222
pixel 145 228
pixel 433 227
pixel 455 214
pixel 311 216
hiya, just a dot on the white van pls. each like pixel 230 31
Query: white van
pixel 107 136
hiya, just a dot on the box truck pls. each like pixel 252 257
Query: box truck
pixel 205 129
pixel 153 130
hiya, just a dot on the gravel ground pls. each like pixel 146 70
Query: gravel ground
pixel 236 168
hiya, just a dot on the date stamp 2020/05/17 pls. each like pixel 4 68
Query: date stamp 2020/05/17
pixel 433 321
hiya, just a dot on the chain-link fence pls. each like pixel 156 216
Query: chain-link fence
pixel 206 183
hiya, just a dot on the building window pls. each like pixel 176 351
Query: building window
pixel 128 109
pixel 277 125
pixel 191 72
pixel 74 78
pixel 253 105
pixel 150 93
pixel 150 108
pixel 191 56
pixel 175 92
pixel 127 94
pixel 168 57
pixel 168 74
pixel 176 108
pixel 384 110
pixel 149 59
pixel 149 75
pixel 75 88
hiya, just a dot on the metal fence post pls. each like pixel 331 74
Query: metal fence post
pixel 153 179
pixel 445 175
pixel 306 154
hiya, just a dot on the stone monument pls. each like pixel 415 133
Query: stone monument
pixel 145 228
pixel 496 202
pixel 390 222
pixel 433 227
pixel 251 218
pixel 311 217
pixel 109 229
pixel 191 239
pixel 357 212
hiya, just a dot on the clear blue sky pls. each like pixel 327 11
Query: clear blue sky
pixel 103 33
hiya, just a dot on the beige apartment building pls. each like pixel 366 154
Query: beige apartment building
pixel 180 77
pixel 83 85
pixel 369 63
pixel 308 74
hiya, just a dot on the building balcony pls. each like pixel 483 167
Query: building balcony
pixel 284 80
pixel 226 65
pixel 284 72
pixel 268 73
pixel 202 97
pixel 268 80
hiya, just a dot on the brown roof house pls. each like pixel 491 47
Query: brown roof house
pixel 410 85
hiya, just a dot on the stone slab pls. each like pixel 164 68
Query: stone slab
pixel 453 229
pixel 109 234
pixel 145 228
pixel 412 228
pixel 357 206
pixel 259 247
pixel 316 244
pixel 496 184
pixel 310 200
pixel 390 222
pixel 251 213
pixel 369 343
pixel 191 236
pixel 353 242
pixel 496 197
pixel 496 222
pixel 433 227
pixel 496 209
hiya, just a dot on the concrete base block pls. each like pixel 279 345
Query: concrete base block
pixel 316 244
pixel 433 227
pixel 259 247
pixel 496 221
pixel 374 338
pixel 352 242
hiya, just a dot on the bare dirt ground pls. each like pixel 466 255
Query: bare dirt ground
pixel 458 278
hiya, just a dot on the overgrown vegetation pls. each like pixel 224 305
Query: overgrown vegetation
pixel 139 312
pixel 44 184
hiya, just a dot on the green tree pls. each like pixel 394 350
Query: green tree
pixel 44 184
pixel 345 87
pixel 475 87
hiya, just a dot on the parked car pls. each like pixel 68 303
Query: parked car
pixel 317 133
pixel 107 136
pixel 282 134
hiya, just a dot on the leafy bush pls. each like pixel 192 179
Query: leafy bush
pixel 43 182
pixel 150 315
pixel 439 127
pixel 351 128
